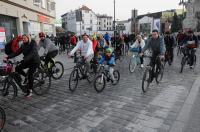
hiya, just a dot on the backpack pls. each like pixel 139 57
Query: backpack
pixel 8 48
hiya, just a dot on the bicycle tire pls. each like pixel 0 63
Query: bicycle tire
pixel 2 118
pixel 42 83
pixel 159 71
pixel 92 73
pixel 73 77
pixel 116 75
pixel 132 65
pixel 54 70
pixel 102 81
pixel 146 78
pixel 8 87
pixel 183 61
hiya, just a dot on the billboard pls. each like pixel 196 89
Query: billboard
pixel 156 24
pixel 2 37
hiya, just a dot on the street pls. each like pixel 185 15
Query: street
pixel 120 108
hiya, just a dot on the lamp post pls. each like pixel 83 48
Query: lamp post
pixel 114 28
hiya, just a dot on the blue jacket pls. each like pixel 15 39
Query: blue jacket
pixel 107 37
pixel 111 60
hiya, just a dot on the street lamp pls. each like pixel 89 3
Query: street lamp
pixel 114 28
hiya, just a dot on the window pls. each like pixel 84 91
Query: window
pixel 99 23
pixel 83 21
pixel 107 23
pixel 90 15
pixel 86 11
pixel 104 20
pixel 43 3
pixel 110 23
pixel 104 26
pixel 53 6
pixel 48 5
pixel 36 2
pixel 90 21
pixel 107 28
pixel 83 28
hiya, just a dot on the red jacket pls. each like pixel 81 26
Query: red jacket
pixel 72 40
pixel 15 45
pixel 94 43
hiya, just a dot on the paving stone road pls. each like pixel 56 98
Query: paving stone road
pixel 120 108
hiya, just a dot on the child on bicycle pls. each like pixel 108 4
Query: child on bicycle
pixel 109 57
pixel 138 45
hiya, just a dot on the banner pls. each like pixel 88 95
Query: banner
pixel 2 37
pixel 156 24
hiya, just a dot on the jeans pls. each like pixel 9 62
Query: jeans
pixel 49 57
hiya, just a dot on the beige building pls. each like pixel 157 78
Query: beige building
pixel 27 16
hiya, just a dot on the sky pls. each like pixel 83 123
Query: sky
pixel 123 7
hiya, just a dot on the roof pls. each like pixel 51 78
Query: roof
pixel 85 8
pixel 103 16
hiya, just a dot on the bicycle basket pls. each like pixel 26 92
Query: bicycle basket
pixel 5 69
pixel 134 49
pixel 191 46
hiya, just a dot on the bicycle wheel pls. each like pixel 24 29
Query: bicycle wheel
pixel 183 61
pixel 2 118
pixel 92 73
pixel 132 64
pixel 42 82
pixel 9 89
pixel 159 73
pixel 73 80
pixel 57 70
pixel 99 83
pixel 146 80
pixel 116 76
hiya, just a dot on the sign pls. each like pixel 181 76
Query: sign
pixel 156 24
pixel 43 19
pixel 2 37
pixel 120 27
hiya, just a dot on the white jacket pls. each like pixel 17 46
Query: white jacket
pixel 86 48
pixel 136 44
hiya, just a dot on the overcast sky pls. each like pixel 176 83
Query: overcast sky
pixel 123 7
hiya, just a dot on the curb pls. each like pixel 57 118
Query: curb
pixel 185 111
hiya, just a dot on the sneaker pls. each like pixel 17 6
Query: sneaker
pixel 28 95
pixel 142 66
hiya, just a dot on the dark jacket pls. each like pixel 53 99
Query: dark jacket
pixel 156 45
pixel 188 38
pixel 29 51
pixel 169 41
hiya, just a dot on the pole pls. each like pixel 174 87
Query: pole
pixel 80 28
pixel 114 28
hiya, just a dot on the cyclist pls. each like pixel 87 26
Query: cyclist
pixel 169 43
pixel 157 46
pixel 86 48
pixel 190 43
pixel 139 43
pixel 51 50
pixel 31 60
pixel 110 59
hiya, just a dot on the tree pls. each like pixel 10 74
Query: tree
pixel 176 23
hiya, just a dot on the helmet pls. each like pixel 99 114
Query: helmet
pixel 41 34
pixel 108 50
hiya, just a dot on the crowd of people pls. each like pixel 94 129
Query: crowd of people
pixel 94 46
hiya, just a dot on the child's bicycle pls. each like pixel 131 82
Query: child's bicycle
pixel 103 77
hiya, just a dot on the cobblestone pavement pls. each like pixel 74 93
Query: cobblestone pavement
pixel 120 108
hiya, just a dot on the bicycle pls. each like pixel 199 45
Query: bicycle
pixel 135 59
pixel 186 58
pixel 104 77
pixel 55 69
pixel 80 72
pixel 41 84
pixel 168 58
pixel 152 72
pixel 2 118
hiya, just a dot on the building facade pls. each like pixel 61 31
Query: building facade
pixel 192 20
pixel 19 17
pixel 80 21
pixel 104 23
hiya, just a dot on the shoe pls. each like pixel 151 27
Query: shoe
pixel 142 66
pixel 28 95
pixel 191 67
pixel 25 80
